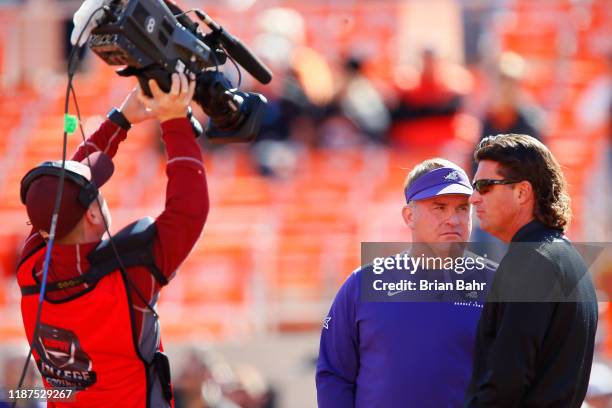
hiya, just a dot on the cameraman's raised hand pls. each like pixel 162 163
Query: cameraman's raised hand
pixel 133 109
pixel 171 105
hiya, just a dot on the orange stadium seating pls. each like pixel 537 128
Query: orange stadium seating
pixel 282 242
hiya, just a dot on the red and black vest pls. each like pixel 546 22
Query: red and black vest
pixel 87 341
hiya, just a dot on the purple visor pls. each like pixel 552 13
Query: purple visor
pixel 445 180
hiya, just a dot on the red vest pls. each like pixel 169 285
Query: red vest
pixel 87 343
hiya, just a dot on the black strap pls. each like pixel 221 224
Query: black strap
pixel 119 119
pixel 135 246
pixel 92 276
pixel 97 272
pixel 162 367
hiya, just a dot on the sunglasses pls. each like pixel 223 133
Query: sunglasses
pixel 483 186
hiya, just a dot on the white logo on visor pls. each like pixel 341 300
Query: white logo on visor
pixel 454 175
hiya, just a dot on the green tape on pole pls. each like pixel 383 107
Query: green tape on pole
pixel 70 123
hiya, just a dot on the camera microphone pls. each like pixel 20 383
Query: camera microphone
pixel 237 50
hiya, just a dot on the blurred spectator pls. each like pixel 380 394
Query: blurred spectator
pixel 302 83
pixel 250 389
pixel 595 103
pixel 286 108
pixel 508 110
pixel 196 386
pixel 289 119
pixel 208 381
pixel 594 110
pixel 302 77
pixel 357 112
pixel 426 110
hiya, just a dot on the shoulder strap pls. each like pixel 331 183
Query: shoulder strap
pixel 134 244
pixel 90 277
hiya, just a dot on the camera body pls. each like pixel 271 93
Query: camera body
pixel 153 41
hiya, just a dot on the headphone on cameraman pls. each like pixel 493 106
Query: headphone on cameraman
pixel 88 192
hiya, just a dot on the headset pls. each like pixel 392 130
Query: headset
pixel 88 192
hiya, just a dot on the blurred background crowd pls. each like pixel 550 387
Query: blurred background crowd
pixel 362 91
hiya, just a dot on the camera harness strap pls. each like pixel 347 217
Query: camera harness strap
pixel 135 244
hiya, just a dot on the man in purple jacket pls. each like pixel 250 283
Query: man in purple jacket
pixel 404 353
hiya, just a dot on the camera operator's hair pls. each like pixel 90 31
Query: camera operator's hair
pixel 425 167
pixel 524 158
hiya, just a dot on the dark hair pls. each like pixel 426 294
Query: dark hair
pixel 524 158
pixel 425 167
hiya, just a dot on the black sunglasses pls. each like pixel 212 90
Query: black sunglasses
pixel 483 186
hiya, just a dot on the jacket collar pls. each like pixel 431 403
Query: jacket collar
pixel 68 260
pixel 535 231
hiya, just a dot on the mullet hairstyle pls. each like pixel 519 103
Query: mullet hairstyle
pixel 524 158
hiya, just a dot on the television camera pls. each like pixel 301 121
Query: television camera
pixel 155 38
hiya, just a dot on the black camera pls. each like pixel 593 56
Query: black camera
pixel 154 39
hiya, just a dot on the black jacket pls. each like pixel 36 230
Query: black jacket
pixel 534 348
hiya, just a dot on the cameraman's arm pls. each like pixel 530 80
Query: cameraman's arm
pixel 105 139
pixel 180 224
pixel 114 129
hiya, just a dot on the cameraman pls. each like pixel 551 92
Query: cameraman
pixel 99 332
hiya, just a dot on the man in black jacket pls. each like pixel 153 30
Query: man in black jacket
pixel 536 335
